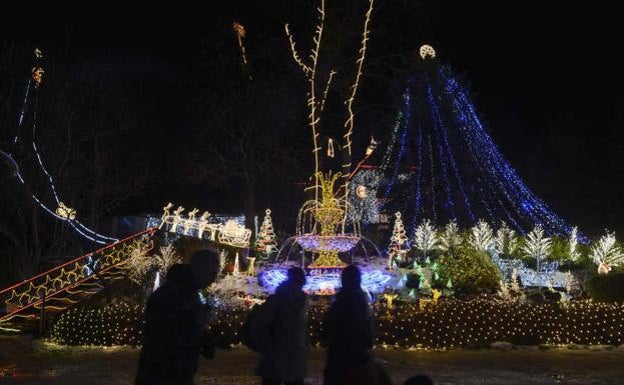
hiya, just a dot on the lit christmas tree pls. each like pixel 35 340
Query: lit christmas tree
pixel 265 240
pixel 398 242
pixel 440 162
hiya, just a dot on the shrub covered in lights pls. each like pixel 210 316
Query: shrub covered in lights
pixel 449 323
pixel 472 271
pixel 114 324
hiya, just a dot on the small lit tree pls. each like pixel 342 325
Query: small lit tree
pixel 536 245
pixel 265 241
pixel 139 264
pixel 425 237
pixel 506 240
pixel 573 243
pixel 450 238
pixel 606 254
pixel 398 241
pixel 165 259
pixel 481 237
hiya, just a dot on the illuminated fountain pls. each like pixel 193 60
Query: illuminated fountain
pixel 322 247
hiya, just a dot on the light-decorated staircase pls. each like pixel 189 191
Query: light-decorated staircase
pixel 23 304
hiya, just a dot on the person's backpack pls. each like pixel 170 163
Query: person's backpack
pixel 256 329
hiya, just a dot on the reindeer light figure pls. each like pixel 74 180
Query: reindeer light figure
pixel 166 214
pixel 177 219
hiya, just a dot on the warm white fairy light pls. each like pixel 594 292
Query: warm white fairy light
pixel 166 258
pixel 425 237
pixel 239 29
pixel 573 244
pixel 606 254
pixel 310 73
pixel 481 236
pixel 346 167
pixel 506 240
pixel 427 51
pixel 536 245
pixel 329 80
pixel 450 238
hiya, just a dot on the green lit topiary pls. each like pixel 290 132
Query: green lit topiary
pixel 471 271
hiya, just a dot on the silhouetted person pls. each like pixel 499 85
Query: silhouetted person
pixel 284 347
pixel 348 332
pixel 418 380
pixel 174 333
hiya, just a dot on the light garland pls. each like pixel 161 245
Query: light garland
pixel 61 212
pixel 349 123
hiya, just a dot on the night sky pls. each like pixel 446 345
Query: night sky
pixel 546 79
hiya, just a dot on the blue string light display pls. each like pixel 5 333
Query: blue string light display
pixel 29 108
pixel 458 172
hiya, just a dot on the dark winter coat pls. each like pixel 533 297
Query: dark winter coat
pixel 284 349
pixel 173 336
pixel 347 331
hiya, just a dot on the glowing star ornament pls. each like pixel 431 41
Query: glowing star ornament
pixel 427 51
pixel 65 212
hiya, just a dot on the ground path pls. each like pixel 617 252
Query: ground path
pixel 27 361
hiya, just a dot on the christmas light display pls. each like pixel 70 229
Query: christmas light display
pixel 425 237
pixel 445 324
pixel 506 240
pixel 453 169
pixel 481 237
pixel 363 203
pixel 537 246
pixel 138 264
pixel 606 254
pixel 373 281
pixel 265 240
pixel 69 276
pixel 399 247
pixel 240 35
pixel 573 244
pixel 427 51
pixel 349 123
pixel 61 212
pixel 229 233
pixel 450 238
